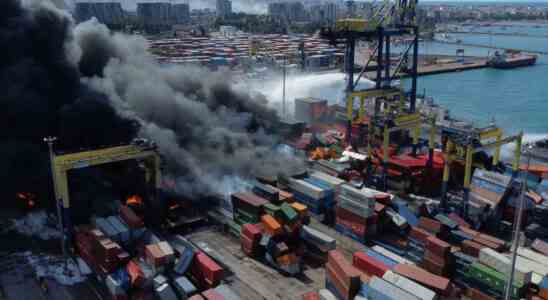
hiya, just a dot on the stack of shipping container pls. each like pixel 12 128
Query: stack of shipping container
pixel 135 263
pixel 219 50
pixel 355 213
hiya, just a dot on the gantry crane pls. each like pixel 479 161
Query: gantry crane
pixel 391 19
pixel 139 149
pixel 462 145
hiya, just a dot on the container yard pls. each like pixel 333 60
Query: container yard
pixel 243 49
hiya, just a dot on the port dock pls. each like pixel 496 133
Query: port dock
pixel 256 280
pixel 439 64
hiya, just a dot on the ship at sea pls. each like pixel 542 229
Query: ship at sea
pixel 511 59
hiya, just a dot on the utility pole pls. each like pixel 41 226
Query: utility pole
pixel 50 140
pixel 517 226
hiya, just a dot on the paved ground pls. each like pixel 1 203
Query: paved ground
pixel 255 280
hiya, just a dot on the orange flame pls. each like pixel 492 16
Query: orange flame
pixel 134 200
pixel 28 198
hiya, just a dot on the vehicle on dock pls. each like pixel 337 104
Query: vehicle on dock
pixel 511 59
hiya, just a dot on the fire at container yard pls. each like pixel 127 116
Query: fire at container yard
pixel 169 183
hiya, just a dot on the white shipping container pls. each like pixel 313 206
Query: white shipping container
pixel 531 266
pixel 536 278
pixel 501 263
pixel 383 287
pixel 409 286
pixel 307 188
pixel 354 201
pixel 532 255
pixel 392 255
pixel 326 295
pixel 320 239
pixel 334 182
pixel 356 207
pixel 363 193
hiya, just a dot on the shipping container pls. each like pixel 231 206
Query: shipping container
pixel 184 287
pixel 326 295
pixel 502 264
pixel 393 256
pixel 369 264
pixel 383 290
pixel 318 238
pixel 437 283
pixel 349 274
pixel 410 286
pixel 226 292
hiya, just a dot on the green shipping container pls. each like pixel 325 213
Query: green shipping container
pixel 234 228
pixel 492 278
pixel 288 213
pixel 272 209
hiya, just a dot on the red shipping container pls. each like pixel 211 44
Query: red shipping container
pixel 419 234
pixel 205 268
pixel 457 219
pixel 136 275
pixel 251 231
pixel 350 216
pixel 436 259
pixel 471 248
pixel 433 265
pixel 212 294
pixel 438 246
pixel 369 265
pixel 489 244
pixel 438 283
pixel 469 231
pixel 492 239
pixel 311 296
pixel 132 220
pixel 349 274
pixel 543 293
pixel 346 291
pixel 477 295
pixel 248 199
pixel 430 225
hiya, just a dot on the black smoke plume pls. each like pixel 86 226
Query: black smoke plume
pixel 91 87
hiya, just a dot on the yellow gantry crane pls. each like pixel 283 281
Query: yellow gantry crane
pixel 462 147
pixel 140 149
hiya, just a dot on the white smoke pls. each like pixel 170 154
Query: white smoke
pixel 200 123
pixel 328 86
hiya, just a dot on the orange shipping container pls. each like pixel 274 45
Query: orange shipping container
pixel 301 209
pixel 271 226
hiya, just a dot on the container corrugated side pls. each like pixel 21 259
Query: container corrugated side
pixel 502 264
pixel 410 286
pixel 392 255
pixel 383 290
pixel 307 189
pixel 532 255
